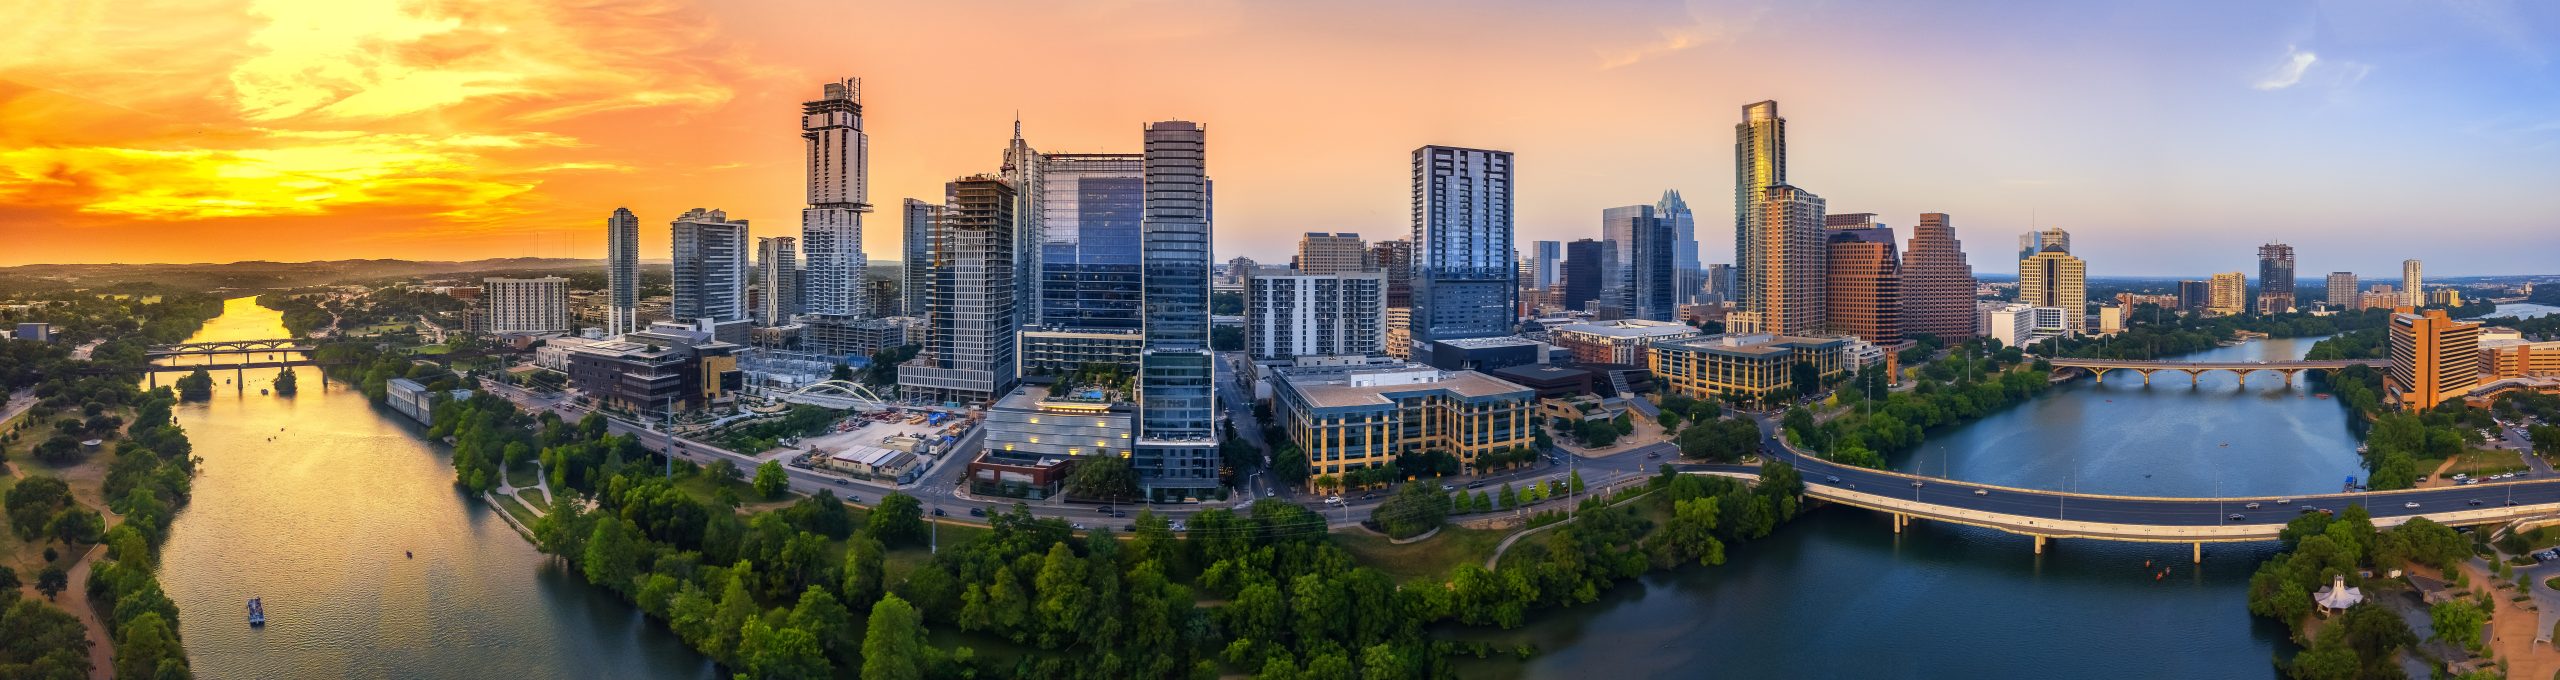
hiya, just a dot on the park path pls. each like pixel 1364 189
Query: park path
pixel 1515 537
pixel 75 599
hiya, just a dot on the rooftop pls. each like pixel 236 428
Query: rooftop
pixel 1752 345
pixel 1630 328
pixel 1374 385
pixel 1483 343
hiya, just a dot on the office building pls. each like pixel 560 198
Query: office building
pixel 667 367
pixel 621 272
pixel 839 168
pixel 1351 417
pixel 2516 357
pixel 1092 206
pixel 2110 320
pixel 1865 285
pixel 968 354
pixel 1462 229
pixel 35 332
pixel 2434 358
pixel 846 340
pixel 777 268
pixel 2412 292
pixel 2053 278
pixel 2275 278
pixel 2381 296
pixel 1623 341
pixel 2034 242
pixel 1638 273
pixel 2019 325
pixel 1585 262
pixel 2230 293
pixel 1330 253
pixel 2342 291
pixel 1784 288
pixel 2194 296
pixel 1291 314
pixel 1396 259
pixel 1399 330
pixel 710 270
pixel 916 271
pixel 1041 426
pixel 1026 171
pixel 1721 282
pixel 1177 451
pixel 1545 261
pixel 1048 351
pixel 1750 365
pixel 1688 276
pixel 538 305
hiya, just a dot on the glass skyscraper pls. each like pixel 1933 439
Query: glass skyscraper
pixel 839 167
pixel 1091 209
pixel 1463 275
pixel 1177 450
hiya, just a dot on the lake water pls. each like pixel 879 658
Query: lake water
pixel 310 502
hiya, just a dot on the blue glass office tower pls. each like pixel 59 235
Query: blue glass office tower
pixel 1177 450
pixel 1091 208
pixel 1463 275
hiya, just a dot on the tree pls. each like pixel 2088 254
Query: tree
pixel 893 647
pixel 841 372
pixel 33 502
pixel 147 647
pixel 898 520
pixel 1804 378
pixel 1103 478
pixel 76 526
pixel 612 557
pixel 1510 497
pixel 52 581
pixel 865 567
pixel 1416 508
pixel 196 386
pixel 2458 621
pixel 2375 633
pixel 786 652
pixel 771 483
pixel 286 384
pixel 826 618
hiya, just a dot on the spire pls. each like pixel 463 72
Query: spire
pixel 1017 126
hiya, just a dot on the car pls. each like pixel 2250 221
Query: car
pixel 1653 454
pixel 1119 513
pixel 2410 504
pixel 1130 528
pixel 2284 501
pixel 1079 526
pixel 1835 479
pixel 1915 484
pixel 853 499
pixel 2459 477
pixel 1478 484
pixel 1448 487
pixel 1982 492
pixel 2237 517
pixel 2468 482
pixel 2511 503
pixel 2475 501
pixel 1177 526
pixel 2252 506
pixel 2307 508
pixel 843 482
pixel 1367 496
pixel 1333 500
pixel 977 512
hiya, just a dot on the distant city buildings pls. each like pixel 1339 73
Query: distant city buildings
pixel 1545 263
pixel 1688 279
pixel 1332 253
pixel 2230 293
pixel 536 305
pixel 1395 257
pixel 2412 292
pixel 777 268
pixel 1585 265
pixel 2054 278
pixel 1639 276
pixel 916 269
pixel 2194 296
pixel 2342 293
pixel 621 272
pixel 1865 279
pixel 2275 278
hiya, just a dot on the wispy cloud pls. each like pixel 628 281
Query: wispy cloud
pixel 2288 73
pixel 1703 28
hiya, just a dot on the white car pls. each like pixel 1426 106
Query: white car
pixel 1336 500
pixel 2410 504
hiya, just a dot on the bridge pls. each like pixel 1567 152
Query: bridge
pixel 834 394
pixel 2098 368
pixel 228 347
pixel 2045 514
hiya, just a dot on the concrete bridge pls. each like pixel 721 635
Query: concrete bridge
pixel 228 347
pixel 2098 368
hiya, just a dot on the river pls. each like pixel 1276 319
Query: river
pixel 1837 594
pixel 310 502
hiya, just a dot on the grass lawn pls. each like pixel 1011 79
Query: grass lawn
pixel 1429 560
pixel 524 475
pixel 434 349
pixel 536 497
pixel 2477 463
pixel 523 514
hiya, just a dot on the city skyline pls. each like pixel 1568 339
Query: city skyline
pixel 2325 112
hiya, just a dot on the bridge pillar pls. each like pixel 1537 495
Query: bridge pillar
pixel 2244 379
pixel 2146 378
pixel 1897 522
pixel 2039 545
pixel 2101 374
pixel 2199 552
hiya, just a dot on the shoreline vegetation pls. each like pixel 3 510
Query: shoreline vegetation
pixel 103 508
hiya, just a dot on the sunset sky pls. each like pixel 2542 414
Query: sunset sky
pixel 2169 137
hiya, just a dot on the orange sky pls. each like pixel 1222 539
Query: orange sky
pixel 175 131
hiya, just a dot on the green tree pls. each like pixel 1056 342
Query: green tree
pixel 784 653
pixel 1065 601
pixel 2458 621
pixel 1509 497
pixel 2375 633
pixel 898 520
pixel 1103 478
pixel 612 556
pixel 865 568
pixel 147 647
pixel 52 581
pixel 771 483
pixel 1804 378
pixel 893 646
pixel 1414 509
pixel 827 619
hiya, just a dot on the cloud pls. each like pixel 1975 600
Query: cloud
pixel 1701 30
pixel 283 174
pixel 2296 62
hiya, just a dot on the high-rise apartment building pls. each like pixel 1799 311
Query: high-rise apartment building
pixel 1544 262
pixel 777 268
pixel 969 348
pixel 2194 296
pixel 2342 291
pixel 710 269
pixel 1759 162
pixel 1584 262
pixel 2412 287
pixel 537 305
pixel 916 270
pixel 2275 278
pixel 1784 287
pixel 1177 449
pixel 621 272
pixel 1462 245
pixel 2230 294
pixel 1643 250
pixel 2434 358
pixel 1290 314
pixel 839 168
pixel 1721 281
pixel 1937 282
pixel 2054 278
pixel 1395 257
pixel 1865 283
pixel 1332 253
pixel 1687 278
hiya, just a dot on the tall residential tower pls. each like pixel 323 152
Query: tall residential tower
pixel 1462 271
pixel 839 167
pixel 1177 446
pixel 621 272
pixel 1937 282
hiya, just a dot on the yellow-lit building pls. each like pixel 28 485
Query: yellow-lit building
pixel 1352 417
pixel 2433 358
pixel 2519 358
pixel 2230 294
pixel 2444 297
pixel 1750 365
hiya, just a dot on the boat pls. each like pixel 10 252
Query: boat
pixel 411 554
pixel 262 391
pixel 257 612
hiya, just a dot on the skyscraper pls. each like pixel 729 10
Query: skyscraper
pixel 1759 162
pixel 1583 263
pixel 710 270
pixel 2054 278
pixel 535 305
pixel 1091 247
pixel 2034 242
pixel 1783 285
pixel 1865 282
pixel 1937 282
pixel 1395 257
pixel 1687 279
pixel 2434 358
pixel 777 266
pixel 1024 169
pixel 969 348
pixel 2194 296
pixel 1332 253
pixel 2230 294
pixel 621 272
pixel 1462 245
pixel 1289 314
pixel 2275 278
pixel 2412 287
pixel 1177 450
pixel 1638 270
pixel 839 167
pixel 2342 291
pixel 1544 259
pixel 917 245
